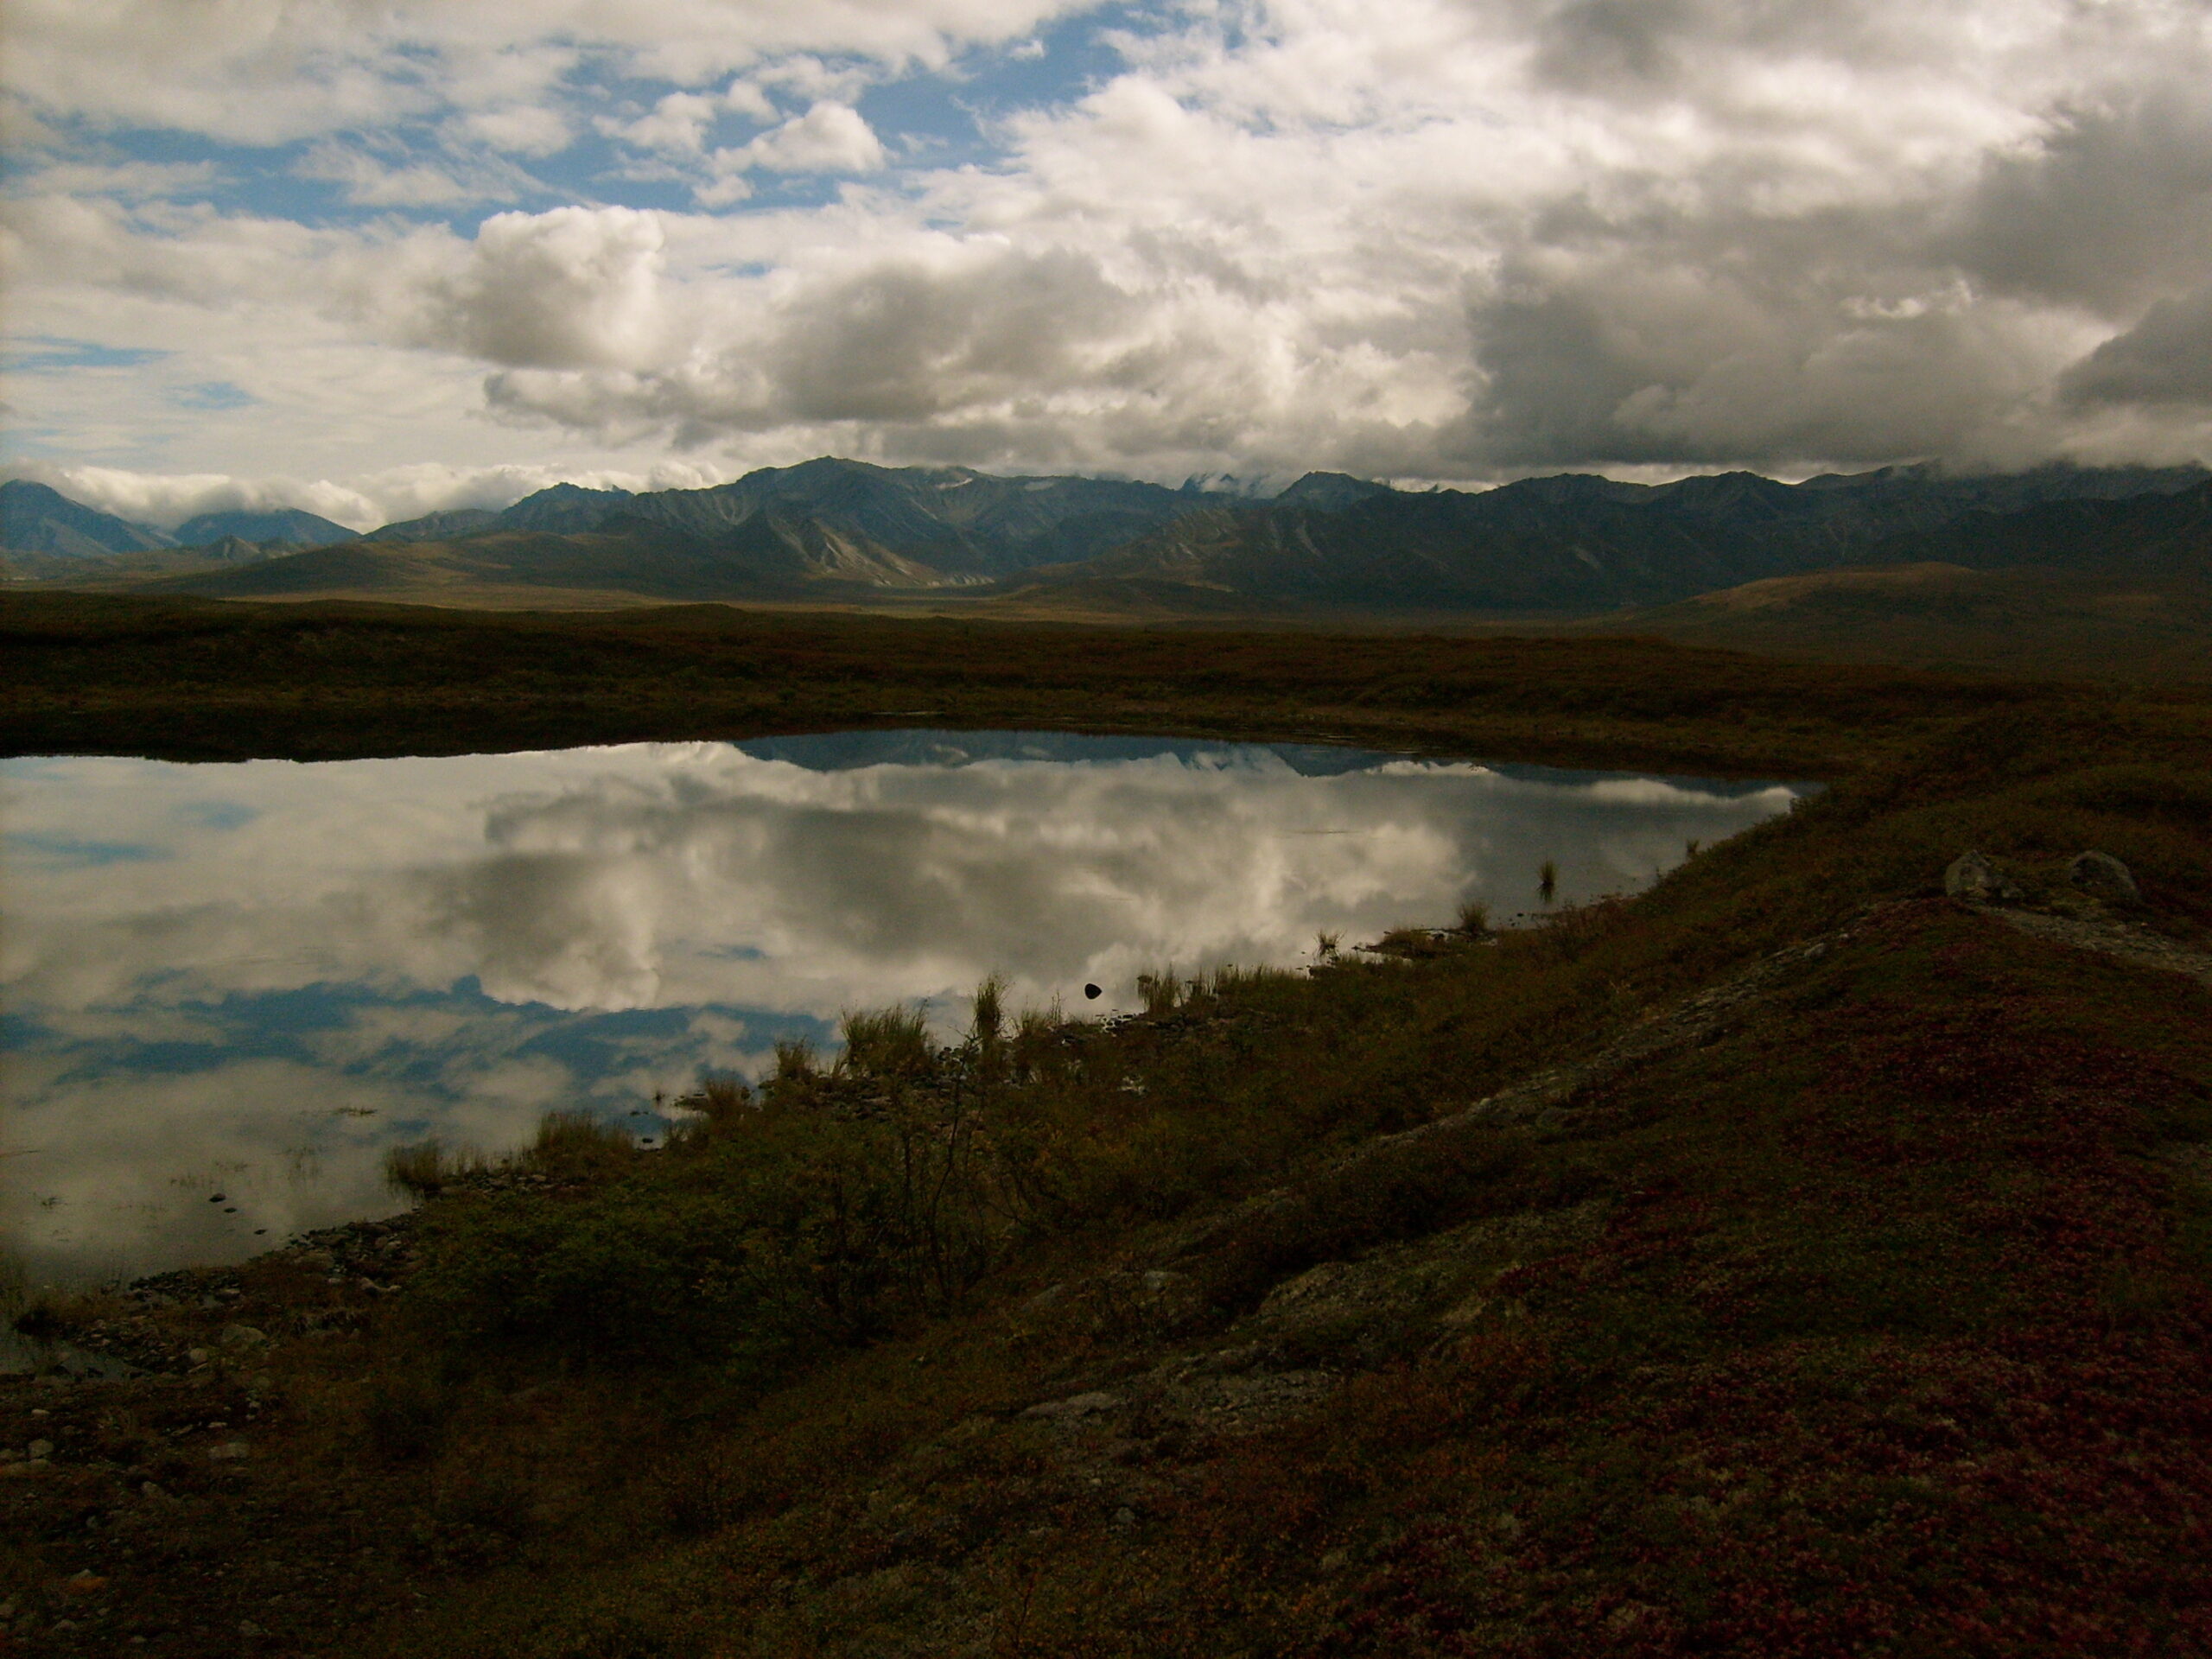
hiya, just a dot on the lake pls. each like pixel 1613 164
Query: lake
pixel 250 980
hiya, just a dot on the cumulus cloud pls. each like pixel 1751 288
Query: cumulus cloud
pixel 828 138
pixel 679 122
pixel 268 71
pixel 2165 358
pixel 575 288
pixel 1423 238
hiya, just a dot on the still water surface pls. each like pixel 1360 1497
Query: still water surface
pixel 251 979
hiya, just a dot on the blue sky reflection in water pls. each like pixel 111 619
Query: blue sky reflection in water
pixel 250 979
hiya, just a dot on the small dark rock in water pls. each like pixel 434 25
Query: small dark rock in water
pixel 217 1198
pixel 2102 875
pixel 1092 992
pixel 1972 876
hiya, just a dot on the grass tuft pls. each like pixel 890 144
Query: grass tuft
pixel 423 1169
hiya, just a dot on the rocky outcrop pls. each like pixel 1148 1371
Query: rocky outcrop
pixel 1973 878
pixel 2102 876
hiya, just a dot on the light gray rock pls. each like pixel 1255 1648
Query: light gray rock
pixel 1079 1405
pixel 2102 876
pixel 244 1339
pixel 1973 878
pixel 1159 1301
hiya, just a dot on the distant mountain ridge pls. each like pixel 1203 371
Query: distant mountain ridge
pixel 855 520
pixel 291 525
pixel 1580 544
pixel 1566 544
pixel 36 520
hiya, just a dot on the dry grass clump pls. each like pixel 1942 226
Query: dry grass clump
pixel 1159 991
pixel 579 1144
pixel 888 1044
pixel 423 1169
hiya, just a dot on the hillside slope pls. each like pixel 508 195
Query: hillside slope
pixel 2137 621
pixel 36 520
pixel 628 561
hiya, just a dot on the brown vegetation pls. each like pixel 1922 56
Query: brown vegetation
pixel 1788 1261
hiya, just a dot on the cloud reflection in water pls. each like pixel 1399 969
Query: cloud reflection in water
pixel 252 978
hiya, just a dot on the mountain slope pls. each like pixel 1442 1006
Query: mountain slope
pixel 437 526
pixel 1580 543
pixel 855 516
pixel 36 520
pixel 290 525
pixel 628 558
pixel 2166 533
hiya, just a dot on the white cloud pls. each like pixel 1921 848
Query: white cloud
pixel 575 288
pixel 679 123
pixel 130 180
pixel 368 182
pixel 520 129
pixel 263 72
pixel 746 98
pixel 828 138
pixel 1417 237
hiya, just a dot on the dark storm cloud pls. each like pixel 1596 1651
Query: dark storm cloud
pixel 2109 207
pixel 902 340
pixel 2166 358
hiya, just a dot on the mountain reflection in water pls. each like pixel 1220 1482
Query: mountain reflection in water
pixel 250 979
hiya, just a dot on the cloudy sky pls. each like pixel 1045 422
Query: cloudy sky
pixel 378 257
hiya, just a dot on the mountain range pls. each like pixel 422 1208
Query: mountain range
pixel 833 528
pixel 35 518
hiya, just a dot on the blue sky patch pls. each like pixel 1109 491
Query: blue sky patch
pixel 213 395
pixel 217 815
pixel 57 354
pixel 79 852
